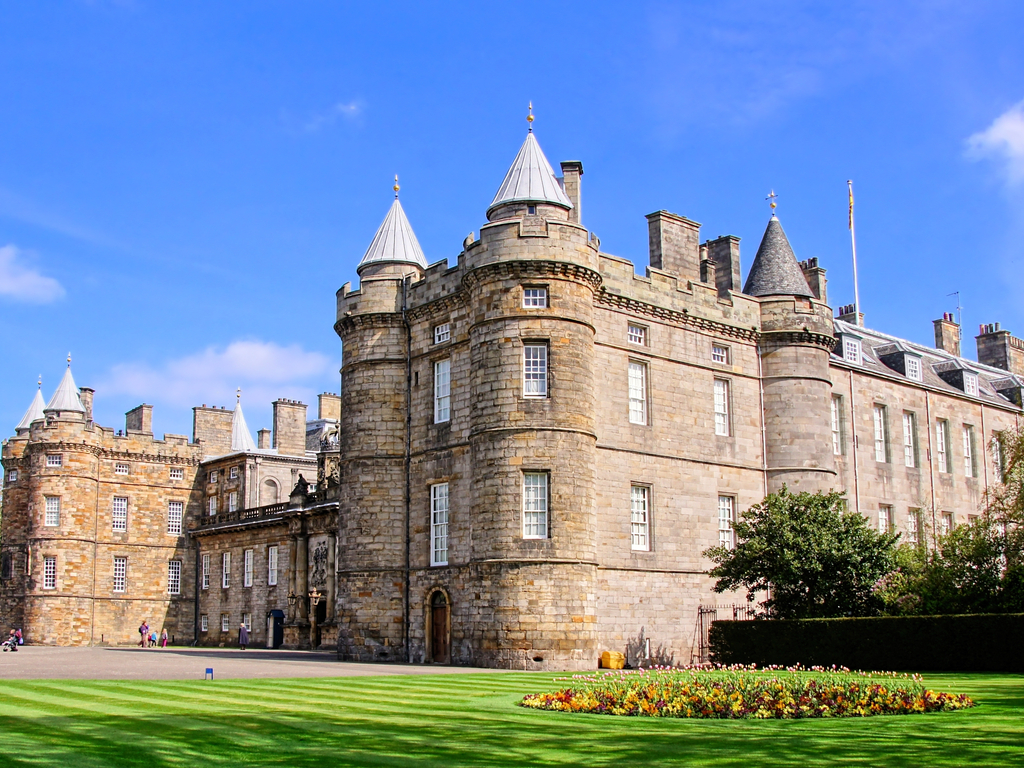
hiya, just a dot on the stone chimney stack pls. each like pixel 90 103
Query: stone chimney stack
pixel 674 245
pixel 85 394
pixel 328 406
pixel 725 252
pixel 290 427
pixel 815 277
pixel 998 348
pixel 572 172
pixel 847 314
pixel 263 438
pixel 139 419
pixel 947 334
pixel 212 426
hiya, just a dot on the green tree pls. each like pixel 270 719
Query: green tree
pixel 810 556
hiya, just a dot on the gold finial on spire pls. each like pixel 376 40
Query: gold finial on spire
pixel 529 117
pixel 238 395
pixel 396 187
pixel 40 382
pixel 771 198
pixel 69 359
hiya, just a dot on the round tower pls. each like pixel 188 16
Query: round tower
pixel 795 343
pixel 373 443
pixel 529 282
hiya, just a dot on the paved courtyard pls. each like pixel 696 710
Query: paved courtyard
pixel 44 662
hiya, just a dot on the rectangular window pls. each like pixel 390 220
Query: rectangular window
pixel 851 350
pixel 174 577
pixel 175 512
pixel 247 621
pixel 442 333
pixel 838 443
pixel 726 517
pixel 970 463
pixel 272 566
pixel 970 384
pixel 909 439
pixel 49 572
pixel 247 568
pixel 439 524
pixel 12 475
pixel 54 460
pixel 636 334
pixel 121 469
pixel 914 526
pixel 942 445
pixel 204 623
pixel 233 473
pixel 913 366
pixel 947 522
pixel 997 458
pixel 232 501
pixel 719 354
pixel 225 623
pixel 535 370
pixel 212 505
pixel 225 570
pixel 120 573
pixel 881 433
pixel 119 513
pixel 639 518
pixel 535 505
pixel 637 393
pixel 535 297
pixel 884 518
pixel 206 571
pixel 52 516
pixel 213 476
pixel 442 390
pixel 721 407
pixel 177 473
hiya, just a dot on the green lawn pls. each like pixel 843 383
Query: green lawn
pixel 463 720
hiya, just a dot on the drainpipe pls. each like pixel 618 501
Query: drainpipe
pixel 408 460
pixel 196 580
pixel 764 427
pixel 853 444
pixel 931 466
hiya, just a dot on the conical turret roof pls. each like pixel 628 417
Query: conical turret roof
pixel 241 438
pixel 530 179
pixel 66 397
pixel 775 271
pixel 395 241
pixel 34 412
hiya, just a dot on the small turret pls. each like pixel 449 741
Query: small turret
pixel 530 182
pixel 775 271
pixel 394 251
pixel 34 412
pixel 65 400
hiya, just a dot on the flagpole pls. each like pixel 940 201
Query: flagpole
pixel 853 245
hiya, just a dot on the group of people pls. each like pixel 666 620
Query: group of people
pixel 148 637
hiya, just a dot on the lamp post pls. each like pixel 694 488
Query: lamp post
pixel 314 600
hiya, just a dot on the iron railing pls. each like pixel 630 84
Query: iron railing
pixel 705 615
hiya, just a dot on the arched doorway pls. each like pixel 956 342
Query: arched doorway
pixel 439 627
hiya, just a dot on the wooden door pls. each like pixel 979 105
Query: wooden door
pixel 439 632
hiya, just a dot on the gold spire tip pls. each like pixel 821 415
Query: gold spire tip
pixel 529 117
pixel 396 187
pixel 238 395
pixel 771 199
pixel 40 381
pixel 69 359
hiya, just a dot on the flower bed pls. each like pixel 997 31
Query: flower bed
pixel 746 692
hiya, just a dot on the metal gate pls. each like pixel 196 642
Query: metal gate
pixel 707 614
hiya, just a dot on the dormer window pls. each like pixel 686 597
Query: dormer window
pixel 913 368
pixel 851 350
pixel 970 384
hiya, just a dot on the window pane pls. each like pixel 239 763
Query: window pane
pixel 206 571
pixel 535 370
pixel 175 512
pixel 909 440
pixel 719 354
pixel 174 577
pixel 638 393
pixel 639 521
pixel 637 334
pixel 442 333
pixel 52 511
pixel 271 566
pixel 119 513
pixel 881 437
pixel 439 524
pixel 721 407
pixel 442 390
pixel 226 570
pixel 247 568
pixel 535 297
pixel 120 573
pixel 535 505
pixel 837 428
pixel 726 517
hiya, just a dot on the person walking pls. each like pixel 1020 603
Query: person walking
pixel 144 633
pixel 163 638
pixel 243 636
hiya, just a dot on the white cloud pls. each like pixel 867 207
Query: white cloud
pixel 320 120
pixel 21 282
pixel 264 370
pixel 1003 141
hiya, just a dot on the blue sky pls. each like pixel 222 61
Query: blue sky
pixel 184 186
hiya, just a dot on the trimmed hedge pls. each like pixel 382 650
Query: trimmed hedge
pixel 968 643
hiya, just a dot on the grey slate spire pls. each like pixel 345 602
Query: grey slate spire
pixel 395 242
pixel 775 271
pixel 66 397
pixel 34 412
pixel 241 438
pixel 530 179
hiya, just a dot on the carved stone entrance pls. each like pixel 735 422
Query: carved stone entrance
pixel 440 628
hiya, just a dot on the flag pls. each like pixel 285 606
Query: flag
pixel 850 185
